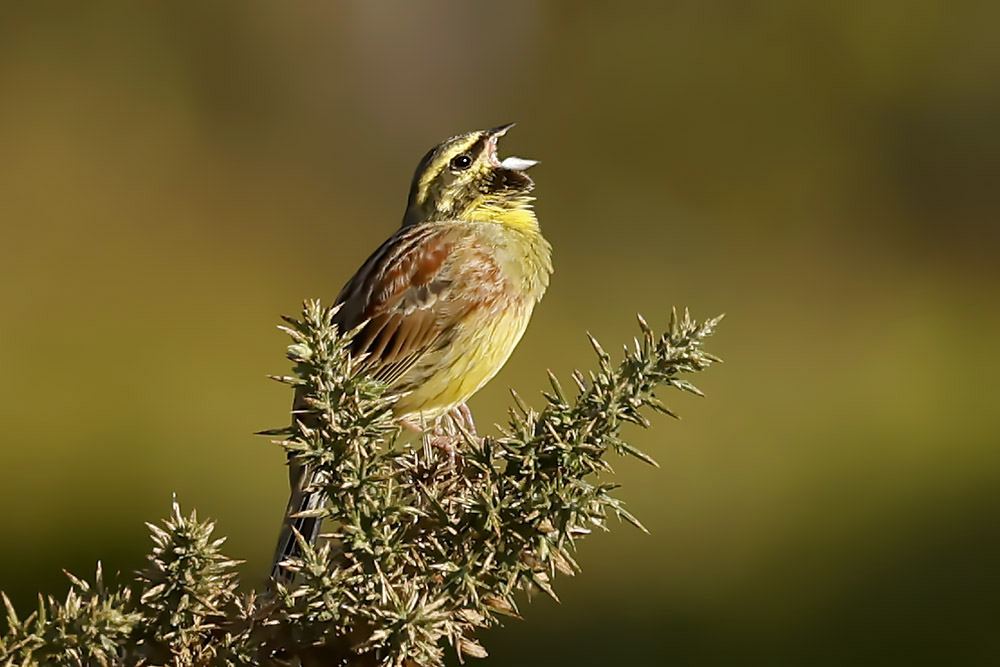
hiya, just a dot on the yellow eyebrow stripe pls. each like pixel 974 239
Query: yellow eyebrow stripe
pixel 435 168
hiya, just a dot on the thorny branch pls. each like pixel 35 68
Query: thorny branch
pixel 423 549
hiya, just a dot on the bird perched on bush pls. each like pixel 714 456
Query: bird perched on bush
pixel 444 301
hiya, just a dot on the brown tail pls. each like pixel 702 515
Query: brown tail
pixel 302 498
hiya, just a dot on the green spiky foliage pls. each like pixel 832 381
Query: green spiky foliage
pixel 426 543
pixel 90 627
pixel 186 592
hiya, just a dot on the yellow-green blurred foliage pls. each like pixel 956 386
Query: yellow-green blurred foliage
pixel 173 176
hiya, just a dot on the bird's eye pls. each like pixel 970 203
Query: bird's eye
pixel 460 162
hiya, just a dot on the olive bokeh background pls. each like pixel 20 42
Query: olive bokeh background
pixel 172 178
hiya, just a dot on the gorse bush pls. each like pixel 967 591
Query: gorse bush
pixel 425 544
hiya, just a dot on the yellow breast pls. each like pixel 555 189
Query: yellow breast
pixel 481 346
pixel 483 341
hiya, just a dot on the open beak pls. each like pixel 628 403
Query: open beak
pixel 513 163
pixel 500 130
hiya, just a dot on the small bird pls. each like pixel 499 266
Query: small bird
pixel 444 301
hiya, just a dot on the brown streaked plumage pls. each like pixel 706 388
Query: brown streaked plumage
pixel 444 301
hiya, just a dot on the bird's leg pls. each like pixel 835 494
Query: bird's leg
pixel 465 425
pixel 464 417
pixel 411 426
pixel 442 437
pixel 449 431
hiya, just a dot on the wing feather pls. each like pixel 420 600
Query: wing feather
pixel 407 295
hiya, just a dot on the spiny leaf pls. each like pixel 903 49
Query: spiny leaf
pixel 638 453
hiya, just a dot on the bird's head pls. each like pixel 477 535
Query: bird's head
pixel 463 179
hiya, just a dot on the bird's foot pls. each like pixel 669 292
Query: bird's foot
pixel 462 417
pixel 448 433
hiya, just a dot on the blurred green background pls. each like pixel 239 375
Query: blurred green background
pixel 175 177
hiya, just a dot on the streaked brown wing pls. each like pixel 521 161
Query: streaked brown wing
pixel 410 293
